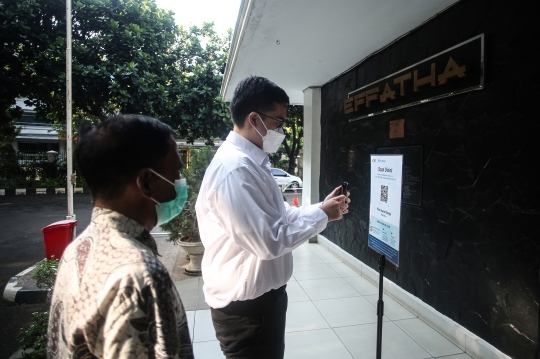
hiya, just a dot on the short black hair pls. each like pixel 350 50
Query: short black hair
pixel 109 154
pixel 255 93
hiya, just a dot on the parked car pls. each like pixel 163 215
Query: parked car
pixel 283 178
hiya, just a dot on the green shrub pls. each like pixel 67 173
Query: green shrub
pixel 35 337
pixel 52 182
pixel 185 224
pixel 22 170
pixel 45 274
pixel 8 162
pixel 14 182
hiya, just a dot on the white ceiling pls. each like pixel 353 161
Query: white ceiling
pixel 318 39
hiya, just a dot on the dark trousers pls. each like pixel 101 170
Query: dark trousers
pixel 253 328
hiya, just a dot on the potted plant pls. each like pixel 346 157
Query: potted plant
pixel 183 229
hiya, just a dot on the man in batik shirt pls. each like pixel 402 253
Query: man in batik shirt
pixel 112 297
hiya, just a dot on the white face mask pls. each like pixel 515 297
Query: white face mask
pixel 272 140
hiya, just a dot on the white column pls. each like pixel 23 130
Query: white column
pixel 312 145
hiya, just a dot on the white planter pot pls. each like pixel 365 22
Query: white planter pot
pixel 195 252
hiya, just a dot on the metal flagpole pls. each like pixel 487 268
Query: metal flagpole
pixel 69 136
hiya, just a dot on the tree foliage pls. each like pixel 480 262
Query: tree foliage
pixel 8 115
pixel 128 57
pixel 293 143
pixel 198 111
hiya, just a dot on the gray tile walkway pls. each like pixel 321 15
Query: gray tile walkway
pixel 331 314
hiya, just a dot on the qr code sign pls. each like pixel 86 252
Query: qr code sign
pixel 384 194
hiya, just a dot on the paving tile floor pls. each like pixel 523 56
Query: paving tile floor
pixel 331 314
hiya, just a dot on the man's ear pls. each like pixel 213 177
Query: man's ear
pixel 252 118
pixel 143 181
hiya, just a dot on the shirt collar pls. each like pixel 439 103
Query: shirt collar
pixel 110 219
pixel 258 155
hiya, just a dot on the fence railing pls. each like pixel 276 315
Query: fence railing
pixel 20 169
pixel 32 158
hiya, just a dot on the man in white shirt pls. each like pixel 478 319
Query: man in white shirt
pixel 248 231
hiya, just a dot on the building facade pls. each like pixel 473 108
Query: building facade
pixel 453 87
pixel 36 135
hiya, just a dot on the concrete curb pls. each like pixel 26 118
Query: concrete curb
pixel 19 354
pixel 36 191
pixel 32 294
pixel 25 294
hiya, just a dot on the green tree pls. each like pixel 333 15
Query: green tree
pixel 197 109
pixel 128 57
pixel 294 140
pixel 13 69
pixel 294 135
pixel 8 115
pixel 26 29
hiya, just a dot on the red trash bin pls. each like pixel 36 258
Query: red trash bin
pixel 57 236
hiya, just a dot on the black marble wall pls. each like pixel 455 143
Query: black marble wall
pixel 472 250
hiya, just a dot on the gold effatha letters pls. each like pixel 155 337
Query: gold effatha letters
pixel 366 98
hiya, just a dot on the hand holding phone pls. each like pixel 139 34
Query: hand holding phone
pixel 344 188
pixel 332 207
pixel 338 191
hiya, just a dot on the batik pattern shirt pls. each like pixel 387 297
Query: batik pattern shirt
pixel 113 298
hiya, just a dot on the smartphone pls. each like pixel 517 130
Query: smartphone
pixel 344 188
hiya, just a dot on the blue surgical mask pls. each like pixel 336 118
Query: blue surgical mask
pixel 168 210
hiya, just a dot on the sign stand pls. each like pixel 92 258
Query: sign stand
pixel 380 305
pixel 384 222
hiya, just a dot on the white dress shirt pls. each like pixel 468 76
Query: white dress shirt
pixel 247 229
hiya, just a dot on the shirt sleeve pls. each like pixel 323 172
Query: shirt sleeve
pixel 244 207
pixel 293 212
